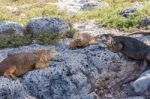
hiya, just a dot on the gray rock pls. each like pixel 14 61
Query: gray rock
pixel 77 6
pixel 68 77
pixel 136 97
pixel 12 89
pixel 13 10
pixel 142 83
pixel 145 22
pixel 91 95
pixel 48 25
pixel 8 28
pixel 94 5
pixel 129 11
pixel 73 1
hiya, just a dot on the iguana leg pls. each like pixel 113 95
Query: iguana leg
pixel 41 65
pixel 48 63
pixel 10 73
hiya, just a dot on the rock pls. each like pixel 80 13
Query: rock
pixel 71 74
pixel 49 25
pixel 91 95
pixel 113 76
pixel 13 10
pixel 8 28
pixel 136 97
pixel 22 15
pixel 129 11
pixel 94 5
pixel 25 6
pixel 145 22
pixel 94 29
pixel 142 83
pixel 12 89
pixel 76 6
pixel 73 1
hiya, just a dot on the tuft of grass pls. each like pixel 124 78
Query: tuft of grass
pixel 3 42
pixel 48 38
pixel 13 42
pixel 18 41
pixel 108 17
pixel 34 9
pixel 72 31
pixel 111 18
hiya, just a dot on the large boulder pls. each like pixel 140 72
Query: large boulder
pixel 76 6
pixel 49 25
pixel 71 74
pixel 8 29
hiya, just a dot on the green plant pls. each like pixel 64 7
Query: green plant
pixel 72 31
pixel 48 38
pixel 18 41
pixel 3 42
pixel 6 42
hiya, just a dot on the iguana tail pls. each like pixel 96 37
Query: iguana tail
pixel 140 32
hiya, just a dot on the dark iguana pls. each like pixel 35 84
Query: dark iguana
pixel 129 46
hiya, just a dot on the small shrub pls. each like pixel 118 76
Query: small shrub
pixel 3 42
pixel 18 41
pixel 72 31
pixel 6 42
pixel 48 38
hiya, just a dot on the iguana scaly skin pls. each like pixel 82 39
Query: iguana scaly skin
pixel 82 41
pixel 20 63
pixel 129 46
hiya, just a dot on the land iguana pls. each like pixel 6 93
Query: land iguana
pixel 129 46
pixel 20 63
pixel 82 40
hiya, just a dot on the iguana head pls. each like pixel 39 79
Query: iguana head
pixel 47 55
pixel 52 53
pixel 111 43
pixel 106 39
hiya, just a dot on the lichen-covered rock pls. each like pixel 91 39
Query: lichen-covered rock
pixel 71 74
pixel 76 6
pixel 12 89
pixel 129 11
pixel 48 25
pixel 142 83
pixel 11 29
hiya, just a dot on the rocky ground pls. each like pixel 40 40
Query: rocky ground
pixel 85 73
pixel 92 72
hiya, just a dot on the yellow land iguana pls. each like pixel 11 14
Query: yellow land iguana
pixel 20 63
